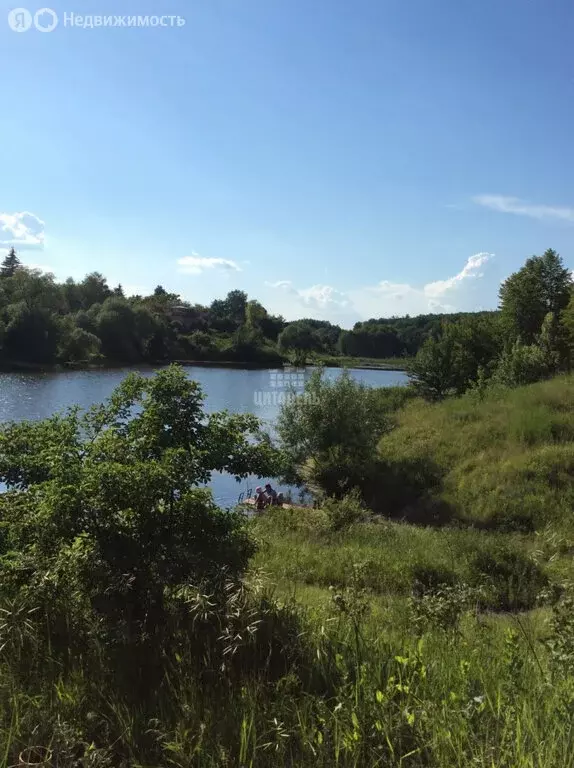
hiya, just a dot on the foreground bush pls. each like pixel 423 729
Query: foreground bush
pixel 104 530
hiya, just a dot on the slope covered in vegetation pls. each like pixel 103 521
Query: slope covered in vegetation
pixel 504 459
pixel 141 625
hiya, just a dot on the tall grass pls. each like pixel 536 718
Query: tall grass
pixel 355 693
pixel 506 461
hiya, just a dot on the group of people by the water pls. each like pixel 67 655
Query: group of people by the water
pixel 267 497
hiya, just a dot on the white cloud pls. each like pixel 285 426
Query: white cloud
pixel 280 284
pixel 321 297
pixel 322 302
pixel 196 264
pixel 21 230
pixel 520 207
pixel 386 299
pixel 470 269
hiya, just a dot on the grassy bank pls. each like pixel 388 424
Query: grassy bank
pixel 343 361
pixel 506 461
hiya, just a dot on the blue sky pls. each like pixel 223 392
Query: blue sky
pixel 334 159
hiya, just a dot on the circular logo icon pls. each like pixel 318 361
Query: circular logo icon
pixel 20 19
pixel 45 20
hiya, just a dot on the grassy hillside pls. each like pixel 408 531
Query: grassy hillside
pixel 505 461
pixel 465 617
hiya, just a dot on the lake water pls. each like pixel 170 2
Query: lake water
pixel 38 395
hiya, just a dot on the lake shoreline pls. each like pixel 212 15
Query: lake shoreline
pixel 33 396
pixel 22 367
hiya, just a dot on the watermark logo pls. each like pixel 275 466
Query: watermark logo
pixel 289 379
pixel 284 386
pixel 46 20
pixel 20 20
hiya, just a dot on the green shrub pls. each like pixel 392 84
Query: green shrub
pixel 521 364
pixel 514 581
pixel 429 578
pixel 329 434
pixel 442 607
pixel 345 512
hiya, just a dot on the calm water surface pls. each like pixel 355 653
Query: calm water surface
pixel 38 395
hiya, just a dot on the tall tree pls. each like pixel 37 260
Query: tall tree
pixel 567 331
pixel 230 310
pixel 10 264
pixel 254 314
pixel 94 289
pixel 297 340
pixel 542 285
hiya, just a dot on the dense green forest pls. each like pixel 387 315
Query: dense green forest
pixel 43 322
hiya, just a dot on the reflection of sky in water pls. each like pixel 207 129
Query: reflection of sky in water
pixel 38 395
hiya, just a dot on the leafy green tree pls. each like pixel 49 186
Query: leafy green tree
pixel 115 327
pixel 521 364
pixel 329 434
pixel 553 341
pixel 78 346
pixel 162 301
pixel 73 296
pixel 236 305
pixel 543 285
pixel 32 334
pixel 436 370
pixel 200 345
pixel 247 343
pixel 442 367
pixel 255 313
pixel 229 313
pixel 106 523
pixel 10 264
pixel 35 289
pixel 131 332
pixel 299 339
pixel 371 340
pixel 86 320
pixel 271 326
pixel 152 333
pixel 567 331
pixel 450 364
pixel 94 289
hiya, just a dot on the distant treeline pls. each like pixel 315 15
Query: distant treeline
pixel 44 322
pixel 399 336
